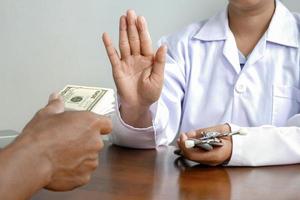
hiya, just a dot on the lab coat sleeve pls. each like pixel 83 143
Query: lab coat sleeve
pixel 129 136
pixel 267 145
pixel 166 113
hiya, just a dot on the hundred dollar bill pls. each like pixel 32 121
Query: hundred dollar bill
pixel 98 100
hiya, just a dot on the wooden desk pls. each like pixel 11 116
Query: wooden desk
pixel 149 174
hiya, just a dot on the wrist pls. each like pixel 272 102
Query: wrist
pixel 137 116
pixel 32 153
pixel 22 162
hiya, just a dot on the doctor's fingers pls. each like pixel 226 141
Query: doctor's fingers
pixel 146 43
pixel 111 52
pixel 123 38
pixel 222 128
pixel 194 134
pixel 211 158
pixel 159 63
pixel 132 31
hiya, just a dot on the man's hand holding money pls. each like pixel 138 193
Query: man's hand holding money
pixel 57 150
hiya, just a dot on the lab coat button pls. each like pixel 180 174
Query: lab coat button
pixel 240 88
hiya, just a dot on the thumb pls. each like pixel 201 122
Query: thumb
pixel 183 137
pixel 53 96
pixel 159 61
pixel 194 134
pixel 55 104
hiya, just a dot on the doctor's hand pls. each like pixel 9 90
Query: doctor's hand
pixel 138 71
pixel 215 157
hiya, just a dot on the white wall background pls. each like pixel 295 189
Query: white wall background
pixel 46 44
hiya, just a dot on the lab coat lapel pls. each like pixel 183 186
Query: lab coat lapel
pixel 282 31
pixel 216 29
pixel 283 28
pixel 258 52
pixel 230 51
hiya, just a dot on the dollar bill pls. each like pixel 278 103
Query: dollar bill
pixel 95 99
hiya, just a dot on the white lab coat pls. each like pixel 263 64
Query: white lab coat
pixel 205 86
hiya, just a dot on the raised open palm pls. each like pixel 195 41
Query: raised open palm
pixel 138 72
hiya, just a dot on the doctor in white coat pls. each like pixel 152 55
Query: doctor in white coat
pixel 240 68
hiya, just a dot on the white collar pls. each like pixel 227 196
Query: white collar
pixel 215 28
pixel 283 28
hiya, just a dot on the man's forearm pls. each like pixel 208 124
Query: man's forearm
pixel 23 171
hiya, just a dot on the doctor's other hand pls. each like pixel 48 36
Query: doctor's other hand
pixel 214 157
pixel 138 71
pixel 68 144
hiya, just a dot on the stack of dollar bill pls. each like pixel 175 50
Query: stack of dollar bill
pixel 98 100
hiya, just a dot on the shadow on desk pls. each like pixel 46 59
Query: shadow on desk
pixel 202 182
pixel 148 174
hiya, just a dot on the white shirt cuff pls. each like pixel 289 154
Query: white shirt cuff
pixel 237 143
pixel 126 135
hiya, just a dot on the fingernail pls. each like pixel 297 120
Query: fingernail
pixel 130 11
pixel 53 96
